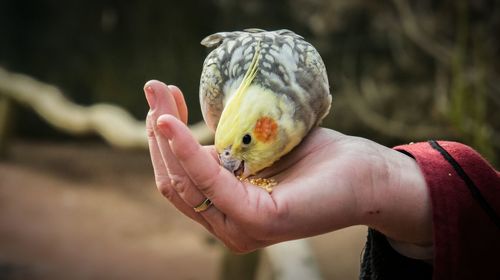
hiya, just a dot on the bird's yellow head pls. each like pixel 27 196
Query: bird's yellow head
pixel 249 136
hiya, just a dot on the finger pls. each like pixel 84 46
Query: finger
pixel 159 167
pixel 160 99
pixel 179 180
pixel 180 102
pixel 226 192
pixel 163 183
pixel 164 104
pixel 162 177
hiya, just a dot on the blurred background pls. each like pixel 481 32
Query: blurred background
pixel 74 206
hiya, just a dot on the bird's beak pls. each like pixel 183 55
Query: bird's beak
pixel 234 165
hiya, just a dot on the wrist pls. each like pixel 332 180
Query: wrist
pixel 400 204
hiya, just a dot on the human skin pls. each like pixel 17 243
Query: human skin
pixel 329 182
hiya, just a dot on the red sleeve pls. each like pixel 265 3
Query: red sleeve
pixel 465 195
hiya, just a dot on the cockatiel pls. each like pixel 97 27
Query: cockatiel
pixel 261 92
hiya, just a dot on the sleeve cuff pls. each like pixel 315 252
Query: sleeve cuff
pixel 465 197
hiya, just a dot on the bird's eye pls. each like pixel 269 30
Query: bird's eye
pixel 246 139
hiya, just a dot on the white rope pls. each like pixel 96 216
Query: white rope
pixel 113 123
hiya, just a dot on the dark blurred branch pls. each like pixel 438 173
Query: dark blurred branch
pixel 113 123
pixel 377 121
pixel 494 91
pixel 441 89
pixel 472 126
pixel 411 28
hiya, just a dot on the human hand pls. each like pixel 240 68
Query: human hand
pixel 330 181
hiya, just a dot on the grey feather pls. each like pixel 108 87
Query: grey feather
pixel 289 65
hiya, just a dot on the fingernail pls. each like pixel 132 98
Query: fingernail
pixel 150 96
pixel 172 87
pixel 164 128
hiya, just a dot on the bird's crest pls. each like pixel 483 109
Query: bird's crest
pixel 249 75
pixel 231 114
pixel 237 98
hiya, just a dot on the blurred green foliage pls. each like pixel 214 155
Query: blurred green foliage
pixel 399 71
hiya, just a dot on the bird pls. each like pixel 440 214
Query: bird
pixel 261 92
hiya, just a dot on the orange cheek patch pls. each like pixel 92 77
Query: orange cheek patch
pixel 265 129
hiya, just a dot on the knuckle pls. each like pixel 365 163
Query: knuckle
pixel 150 132
pixel 167 193
pixel 180 183
pixel 163 185
pixel 150 125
